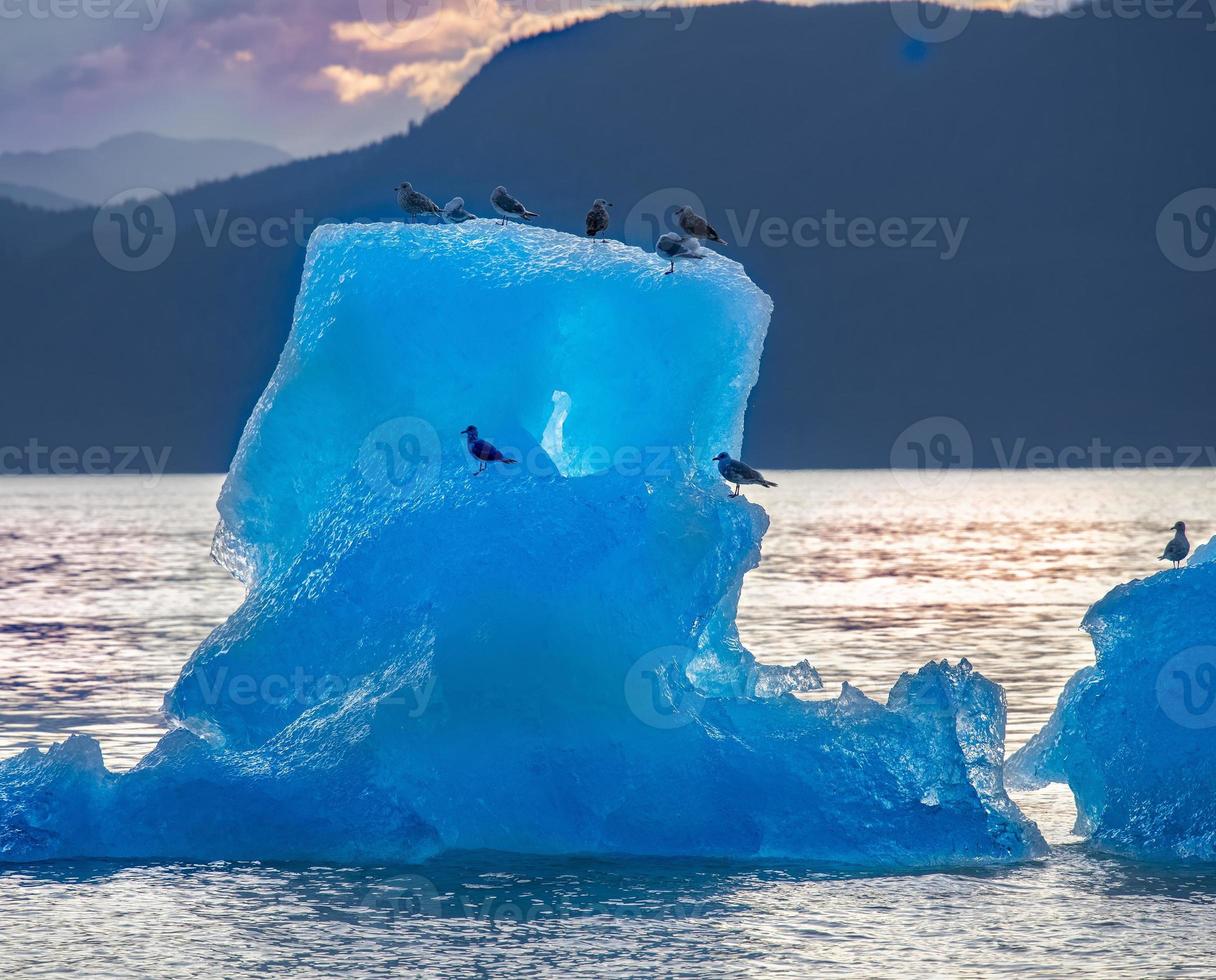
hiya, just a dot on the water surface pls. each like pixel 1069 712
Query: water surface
pixel 106 586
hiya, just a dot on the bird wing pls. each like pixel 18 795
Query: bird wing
pixel 483 450
pixel 423 203
pixel 743 471
pixel 455 204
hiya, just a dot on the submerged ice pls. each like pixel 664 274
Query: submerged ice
pixel 540 658
pixel 1134 735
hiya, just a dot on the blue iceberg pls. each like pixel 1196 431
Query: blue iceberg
pixel 540 658
pixel 1134 735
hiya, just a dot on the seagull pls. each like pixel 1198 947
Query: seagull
pixel 454 211
pixel 671 246
pixel 413 203
pixel 508 207
pixel 1178 548
pixel 481 450
pixel 696 226
pixel 736 472
pixel 597 217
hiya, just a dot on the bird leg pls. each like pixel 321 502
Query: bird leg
pixel 671 270
pixel 736 493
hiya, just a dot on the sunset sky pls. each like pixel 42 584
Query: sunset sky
pixel 307 77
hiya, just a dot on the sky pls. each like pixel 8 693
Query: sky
pixel 308 77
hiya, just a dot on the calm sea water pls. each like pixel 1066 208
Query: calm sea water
pixel 106 586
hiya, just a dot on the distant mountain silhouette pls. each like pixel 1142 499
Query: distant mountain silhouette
pixel 36 197
pixel 135 160
pixel 1060 320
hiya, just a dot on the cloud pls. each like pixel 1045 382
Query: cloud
pixel 285 70
pixel 437 49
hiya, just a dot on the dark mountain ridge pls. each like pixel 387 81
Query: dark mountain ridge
pixel 1057 320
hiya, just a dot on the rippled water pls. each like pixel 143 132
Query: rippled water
pixel 106 586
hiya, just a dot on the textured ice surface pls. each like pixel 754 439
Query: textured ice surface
pixel 540 658
pixel 1134 735
pixel 1204 552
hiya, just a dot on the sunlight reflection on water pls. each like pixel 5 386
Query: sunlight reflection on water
pixel 106 586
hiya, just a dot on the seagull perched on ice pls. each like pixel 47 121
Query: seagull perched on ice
pixel 508 207
pixel 597 217
pixel 671 246
pixel 1178 548
pixel 481 450
pixel 696 226
pixel 736 472
pixel 454 211
pixel 414 203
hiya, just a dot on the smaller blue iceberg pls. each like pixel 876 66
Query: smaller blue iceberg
pixel 1134 735
pixel 541 658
